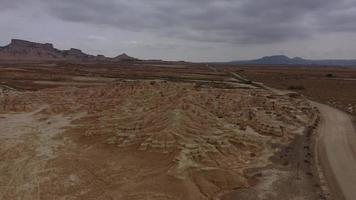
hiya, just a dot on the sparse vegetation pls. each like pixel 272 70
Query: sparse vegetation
pixel 330 75
pixel 296 87
pixel 340 89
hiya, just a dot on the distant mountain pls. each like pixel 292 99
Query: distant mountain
pixel 124 57
pixel 285 60
pixel 279 59
pixel 21 50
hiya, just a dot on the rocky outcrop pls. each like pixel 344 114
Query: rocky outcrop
pixel 200 141
pixel 124 57
pixel 22 50
pixel 25 50
pixel 77 54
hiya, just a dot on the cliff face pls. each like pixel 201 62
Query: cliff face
pixel 15 43
pixel 25 50
pixel 21 50
pixel 76 54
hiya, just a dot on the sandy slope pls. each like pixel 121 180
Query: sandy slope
pixel 337 151
pixel 27 144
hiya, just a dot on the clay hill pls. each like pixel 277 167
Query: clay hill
pixel 21 50
pixel 149 140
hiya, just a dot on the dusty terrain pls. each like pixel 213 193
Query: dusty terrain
pixel 335 141
pixel 144 131
pixel 335 86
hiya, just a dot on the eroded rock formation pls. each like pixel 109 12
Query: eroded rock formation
pixel 162 140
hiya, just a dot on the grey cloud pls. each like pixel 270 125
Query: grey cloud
pixel 239 21
pixel 6 5
pixel 258 24
pixel 340 19
pixel 243 21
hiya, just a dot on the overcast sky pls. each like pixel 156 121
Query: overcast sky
pixel 193 30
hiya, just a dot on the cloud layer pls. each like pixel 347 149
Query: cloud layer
pixel 231 22
pixel 236 21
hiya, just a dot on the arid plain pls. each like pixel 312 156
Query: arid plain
pixel 77 126
pixel 136 130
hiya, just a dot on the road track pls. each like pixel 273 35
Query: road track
pixel 336 146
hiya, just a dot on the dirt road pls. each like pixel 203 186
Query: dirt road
pixel 337 151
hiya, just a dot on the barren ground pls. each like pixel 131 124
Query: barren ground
pixel 335 86
pixel 161 132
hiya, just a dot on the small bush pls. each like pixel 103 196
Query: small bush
pixel 296 87
pixel 330 75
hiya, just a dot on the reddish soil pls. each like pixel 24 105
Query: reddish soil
pixel 154 131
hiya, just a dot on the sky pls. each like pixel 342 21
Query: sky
pixel 191 30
